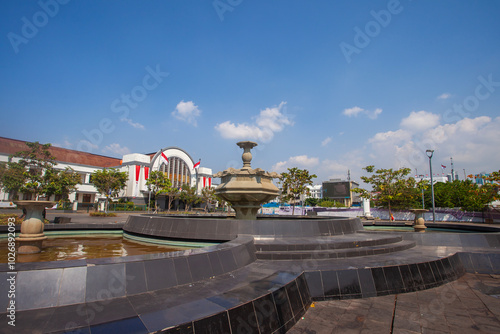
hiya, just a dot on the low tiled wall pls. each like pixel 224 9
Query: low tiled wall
pixel 379 281
pixel 194 228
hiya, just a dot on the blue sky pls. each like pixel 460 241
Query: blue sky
pixel 323 85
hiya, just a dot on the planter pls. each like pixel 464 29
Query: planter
pixel 419 225
pixel 31 237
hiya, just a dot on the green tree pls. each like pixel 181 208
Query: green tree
pixel 310 201
pixel 390 188
pixel 61 182
pixel 158 183
pixel 12 178
pixel 36 162
pixel 294 183
pixel 189 196
pixel 172 193
pixel 109 182
pixel 208 196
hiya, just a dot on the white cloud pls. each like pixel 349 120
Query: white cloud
pixel 135 125
pixel 326 141
pixel 420 120
pixel 355 111
pixel 88 144
pixel 187 112
pixel 66 144
pixel 444 96
pixel 472 142
pixel 116 149
pixel 373 114
pixel 267 123
pixel 302 161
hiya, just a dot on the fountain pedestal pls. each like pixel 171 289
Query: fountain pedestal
pixel 31 237
pixel 419 221
pixel 246 188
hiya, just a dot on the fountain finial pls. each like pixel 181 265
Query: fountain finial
pixel 247 155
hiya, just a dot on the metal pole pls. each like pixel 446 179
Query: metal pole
pixel 429 154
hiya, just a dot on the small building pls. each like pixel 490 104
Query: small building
pixel 341 191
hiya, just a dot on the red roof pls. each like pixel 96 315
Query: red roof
pixel 11 146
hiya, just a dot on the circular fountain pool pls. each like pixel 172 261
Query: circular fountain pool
pixel 74 245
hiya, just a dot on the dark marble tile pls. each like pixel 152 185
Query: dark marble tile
pixel 394 279
pixel 218 323
pixel 292 290
pixel 165 318
pixel 135 277
pixel 330 283
pixel 304 290
pixel 72 288
pixel 466 261
pixel 109 310
pixel 241 256
pixel 227 260
pixel 199 266
pixel 215 263
pixel 266 315
pixel 4 289
pixel 105 282
pixel 379 280
pixel 283 309
pixel 348 282
pixel 160 274
pixel 243 319
pixel 407 278
pixel 416 277
pixel 27 321
pixel 366 283
pixel 495 262
pixel 481 263
pixel 447 269
pixel 435 271
pixel 30 283
pixel 182 271
pixel 68 318
pixel 426 272
pixel 131 325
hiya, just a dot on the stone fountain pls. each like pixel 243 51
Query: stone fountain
pixel 31 237
pixel 246 189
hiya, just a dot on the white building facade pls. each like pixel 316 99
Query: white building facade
pixel 176 163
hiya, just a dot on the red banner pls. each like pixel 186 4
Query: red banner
pixel 204 180
pixel 146 173
pixel 137 172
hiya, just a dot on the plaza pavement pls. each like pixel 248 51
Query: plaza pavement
pixel 470 304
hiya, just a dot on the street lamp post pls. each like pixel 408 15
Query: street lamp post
pixel 429 154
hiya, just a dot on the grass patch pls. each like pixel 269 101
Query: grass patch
pixel 102 214
pixel 4 219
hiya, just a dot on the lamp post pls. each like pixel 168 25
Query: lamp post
pixel 429 154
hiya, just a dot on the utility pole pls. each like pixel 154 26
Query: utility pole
pixel 452 170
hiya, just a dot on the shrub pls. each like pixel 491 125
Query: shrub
pixel 102 214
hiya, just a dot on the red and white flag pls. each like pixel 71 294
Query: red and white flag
pixel 197 164
pixel 163 158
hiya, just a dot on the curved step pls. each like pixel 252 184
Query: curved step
pixel 335 253
pixel 324 243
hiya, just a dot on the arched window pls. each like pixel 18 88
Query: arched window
pixel 177 172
